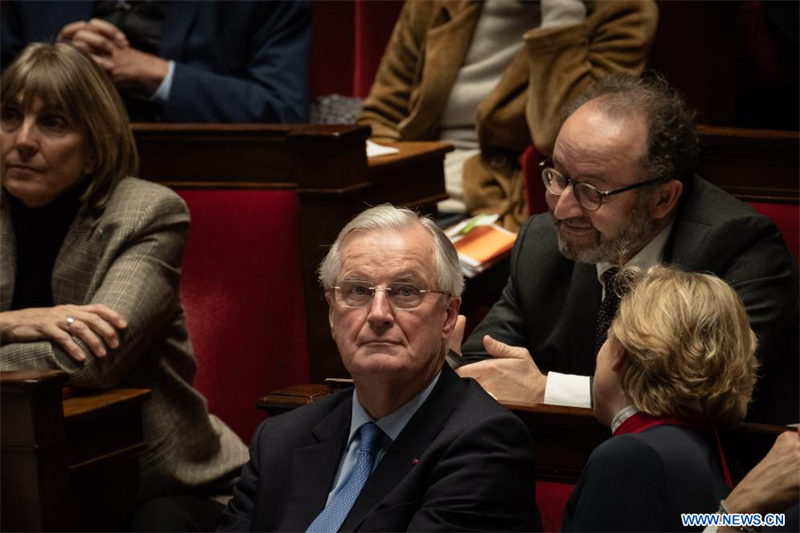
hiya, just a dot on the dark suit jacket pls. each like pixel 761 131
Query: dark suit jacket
pixel 234 61
pixel 463 463
pixel 644 481
pixel 550 303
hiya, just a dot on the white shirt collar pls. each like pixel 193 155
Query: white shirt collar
pixel 622 416
pixel 393 423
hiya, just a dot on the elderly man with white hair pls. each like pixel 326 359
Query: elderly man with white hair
pixel 412 447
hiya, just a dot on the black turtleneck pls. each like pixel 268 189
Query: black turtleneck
pixel 39 234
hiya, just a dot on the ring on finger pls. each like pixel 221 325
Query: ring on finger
pixel 70 322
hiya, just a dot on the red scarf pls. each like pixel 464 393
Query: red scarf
pixel 640 421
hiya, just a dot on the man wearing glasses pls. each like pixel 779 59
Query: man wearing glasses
pixel 413 446
pixel 621 192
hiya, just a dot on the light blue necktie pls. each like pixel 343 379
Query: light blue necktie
pixel 332 517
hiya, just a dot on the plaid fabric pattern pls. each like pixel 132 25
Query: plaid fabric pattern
pixel 128 257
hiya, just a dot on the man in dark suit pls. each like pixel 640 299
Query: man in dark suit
pixel 413 447
pixel 188 61
pixel 621 191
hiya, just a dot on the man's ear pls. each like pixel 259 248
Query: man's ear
pixel 451 311
pixel 666 198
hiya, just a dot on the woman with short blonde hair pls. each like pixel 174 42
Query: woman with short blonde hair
pixel 679 362
pixel 689 344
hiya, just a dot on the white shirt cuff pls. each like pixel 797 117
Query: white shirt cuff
pixel 568 389
pixel 162 93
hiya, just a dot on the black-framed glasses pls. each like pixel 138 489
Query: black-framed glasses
pixel 402 296
pixel 589 197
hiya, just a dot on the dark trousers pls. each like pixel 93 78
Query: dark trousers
pixel 176 513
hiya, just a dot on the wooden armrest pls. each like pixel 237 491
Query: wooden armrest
pixel 103 403
pixel 33 379
pixel 283 400
pixel 30 409
pixel 67 463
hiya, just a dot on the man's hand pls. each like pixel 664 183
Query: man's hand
pixel 134 71
pixel 96 37
pixel 91 323
pixel 773 485
pixel 510 377
pixel 130 69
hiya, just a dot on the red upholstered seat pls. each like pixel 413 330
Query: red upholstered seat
pixel 551 498
pixel 534 188
pixel 242 288
pixel 787 218
pixel 350 37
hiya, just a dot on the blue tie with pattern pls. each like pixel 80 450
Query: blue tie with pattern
pixel 332 517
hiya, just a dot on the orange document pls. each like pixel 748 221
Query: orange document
pixel 485 244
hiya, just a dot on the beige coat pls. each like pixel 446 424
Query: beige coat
pixel 423 58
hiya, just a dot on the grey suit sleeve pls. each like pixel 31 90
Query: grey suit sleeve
pixel 764 275
pixel 141 283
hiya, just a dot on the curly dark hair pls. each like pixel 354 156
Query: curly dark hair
pixel 672 142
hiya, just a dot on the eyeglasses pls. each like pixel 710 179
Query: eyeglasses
pixel 400 295
pixel 589 197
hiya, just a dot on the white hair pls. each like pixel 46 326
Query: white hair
pixel 449 277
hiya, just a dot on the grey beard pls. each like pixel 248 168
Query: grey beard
pixel 639 230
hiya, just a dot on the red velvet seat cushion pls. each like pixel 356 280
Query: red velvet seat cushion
pixel 534 188
pixel 350 37
pixel 787 218
pixel 243 291
pixel 551 498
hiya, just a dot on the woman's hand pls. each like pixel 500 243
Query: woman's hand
pixel 96 325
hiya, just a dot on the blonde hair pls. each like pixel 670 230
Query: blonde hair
pixel 689 344
pixel 69 81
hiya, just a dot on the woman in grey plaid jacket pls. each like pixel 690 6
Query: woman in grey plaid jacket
pixel 91 260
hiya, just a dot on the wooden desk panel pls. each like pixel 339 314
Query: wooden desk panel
pixel 564 437
pixel 67 465
pixel 325 164
pixel 752 165
pixel 33 477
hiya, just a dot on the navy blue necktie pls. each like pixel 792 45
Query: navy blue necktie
pixel 608 308
pixel 332 517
